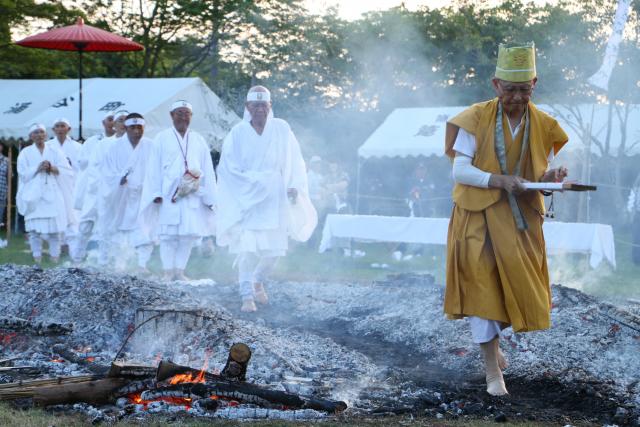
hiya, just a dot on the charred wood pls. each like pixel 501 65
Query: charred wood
pixel 120 370
pixel 89 389
pixel 236 367
pixel 72 357
pixel 135 387
pixel 250 393
pixel 17 324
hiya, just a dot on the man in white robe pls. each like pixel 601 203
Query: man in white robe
pixel 180 185
pixel 263 195
pixel 86 191
pixel 103 209
pixel 71 149
pixel 41 189
pixel 124 172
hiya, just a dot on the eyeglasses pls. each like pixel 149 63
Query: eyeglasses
pixel 512 89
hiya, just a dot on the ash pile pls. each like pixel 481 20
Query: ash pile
pixel 64 327
pixel 384 348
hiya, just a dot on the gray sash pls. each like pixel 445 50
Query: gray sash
pixel 501 152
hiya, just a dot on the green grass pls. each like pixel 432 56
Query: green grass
pixel 10 417
pixel 303 263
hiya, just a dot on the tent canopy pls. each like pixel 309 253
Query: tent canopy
pixel 25 102
pixel 412 132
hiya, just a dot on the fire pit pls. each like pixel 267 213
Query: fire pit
pixel 383 348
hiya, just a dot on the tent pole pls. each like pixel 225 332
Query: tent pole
pixel 358 188
pixel 9 192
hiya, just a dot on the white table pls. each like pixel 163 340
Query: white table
pixel 593 239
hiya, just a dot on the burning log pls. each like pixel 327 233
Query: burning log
pixel 237 362
pixel 72 357
pixel 216 385
pixel 135 387
pixel 5 362
pixel 12 323
pixel 120 370
pixel 26 370
pixel 89 389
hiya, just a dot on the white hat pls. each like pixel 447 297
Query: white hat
pixel 62 120
pixel 181 104
pixel 36 126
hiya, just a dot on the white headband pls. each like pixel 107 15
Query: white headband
pixel 120 113
pixel 181 104
pixel 109 114
pixel 62 120
pixel 36 126
pixel 256 96
pixel 134 121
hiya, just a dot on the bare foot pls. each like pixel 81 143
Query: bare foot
pixel 167 276
pixel 495 385
pixel 495 382
pixel 259 294
pixel 248 306
pixel 180 276
pixel 502 360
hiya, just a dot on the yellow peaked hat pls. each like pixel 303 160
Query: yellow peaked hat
pixel 516 64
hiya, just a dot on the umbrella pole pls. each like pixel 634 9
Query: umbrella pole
pixel 80 114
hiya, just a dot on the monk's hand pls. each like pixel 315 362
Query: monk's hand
pixel 43 166
pixel 53 170
pixel 510 183
pixel 123 181
pixel 157 200
pixel 292 193
pixel 555 175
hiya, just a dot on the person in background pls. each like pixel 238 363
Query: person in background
pixel 4 184
pixel 496 272
pixel 633 206
pixel 87 188
pixel 124 169
pixel 419 192
pixel 337 185
pixel 41 189
pixel 71 149
pixel 179 187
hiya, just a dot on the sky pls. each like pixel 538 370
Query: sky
pixel 352 9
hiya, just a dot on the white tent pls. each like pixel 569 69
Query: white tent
pixel 25 102
pixel 411 132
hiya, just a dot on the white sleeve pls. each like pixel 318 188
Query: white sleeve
pixel 465 143
pixel 465 173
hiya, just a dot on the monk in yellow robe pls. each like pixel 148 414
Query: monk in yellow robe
pixel 496 260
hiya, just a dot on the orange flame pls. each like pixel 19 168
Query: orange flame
pixel 90 359
pixel 184 401
pixel 57 360
pixel 189 376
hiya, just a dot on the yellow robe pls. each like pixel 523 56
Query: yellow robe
pixel 495 271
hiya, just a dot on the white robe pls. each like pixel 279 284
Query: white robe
pixel 86 191
pixel 71 149
pixel 255 171
pixel 98 185
pixel 41 195
pixel 189 215
pixel 124 200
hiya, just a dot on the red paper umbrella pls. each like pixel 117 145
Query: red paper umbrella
pixel 81 38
